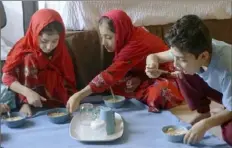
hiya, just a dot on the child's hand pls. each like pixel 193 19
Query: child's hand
pixel 34 98
pixel 4 108
pixel 152 66
pixel 73 102
pixel 26 109
pixel 196 133
pixel 153 72
pixel 152 61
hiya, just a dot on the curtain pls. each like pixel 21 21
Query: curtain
pixel 29 8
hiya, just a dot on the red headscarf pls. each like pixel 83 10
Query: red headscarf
pixel 61 60
pixel 131 41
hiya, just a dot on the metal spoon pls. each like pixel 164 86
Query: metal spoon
pixel 112 93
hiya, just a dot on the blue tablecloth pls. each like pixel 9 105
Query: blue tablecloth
pixel 142 130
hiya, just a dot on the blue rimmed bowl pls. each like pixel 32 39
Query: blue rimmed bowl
pixel 59 115
pixel 174 133
pixel 15 120
pixel 114 103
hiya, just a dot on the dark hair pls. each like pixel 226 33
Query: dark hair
pixel 190 34
pixel 52 27
pixel 108 21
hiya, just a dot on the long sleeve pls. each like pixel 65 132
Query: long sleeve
pixel 197 93
pixel 112 74
pixel 226 87
pixel 9 77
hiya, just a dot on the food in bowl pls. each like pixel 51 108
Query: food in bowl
pixel 114 100
pixel 56 114
pixel 16 118
pixel 174 132
pixel 114 103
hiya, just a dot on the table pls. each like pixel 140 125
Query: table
pixel 142 130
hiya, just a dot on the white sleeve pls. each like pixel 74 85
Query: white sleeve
pixel 227 90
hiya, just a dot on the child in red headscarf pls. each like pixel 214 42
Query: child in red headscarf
pixel 126 75
pixel 39 68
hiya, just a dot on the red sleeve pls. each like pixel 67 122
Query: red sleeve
pixel 8 78
pixel 111 75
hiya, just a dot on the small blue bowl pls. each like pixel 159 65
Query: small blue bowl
pixel 59 115
pixel 11 123
pixel 178 138
pixel 109 103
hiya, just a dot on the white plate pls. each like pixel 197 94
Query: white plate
pixel 86 134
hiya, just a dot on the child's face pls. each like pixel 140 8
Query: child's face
pixel 107 37
pixel 187 62
pixel 48 42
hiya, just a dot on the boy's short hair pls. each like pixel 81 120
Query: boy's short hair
pixel 190 34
